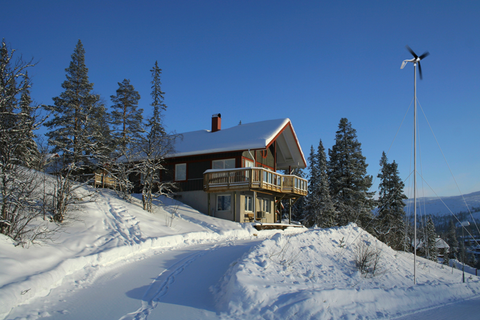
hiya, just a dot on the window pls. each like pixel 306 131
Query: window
pixel 248 163
pixel 266 204
pixel 248 203
pixel 180 172
pixel 224 202
pixel 223 164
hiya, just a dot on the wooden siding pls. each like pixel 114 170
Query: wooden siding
pixel 196 166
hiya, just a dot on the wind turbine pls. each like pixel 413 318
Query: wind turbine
pixel 416 59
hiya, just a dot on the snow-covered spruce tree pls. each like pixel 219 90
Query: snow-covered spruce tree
pixel 431 250
pixel 127 121
pixel 99 136
pixel 321 212
pixel 155 145
pixel 70 132
pixel 347 175
pixel 446 258
pixel 155 123
pixel 28 150
pixel 312 202
pixel 20 191
pixel 72 110
pixel 452 240
pixel 390 221
pixel 328 214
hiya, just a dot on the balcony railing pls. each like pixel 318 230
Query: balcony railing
pixel 253 178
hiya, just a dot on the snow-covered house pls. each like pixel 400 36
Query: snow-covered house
pixel 232 173
pixel 442 247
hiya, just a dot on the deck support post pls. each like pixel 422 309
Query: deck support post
pixel 255 206
pixel 290 211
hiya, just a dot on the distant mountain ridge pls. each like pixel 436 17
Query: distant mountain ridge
pixel 441 206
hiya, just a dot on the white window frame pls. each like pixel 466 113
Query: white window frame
pixel 248 204
pixel 180 172
pixel 249 163
pixel 266 205
pixel 223 164
pixel 218 203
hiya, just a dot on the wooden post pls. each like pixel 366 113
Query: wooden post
pixel 290 211
pixel 235 206
pixel 208 204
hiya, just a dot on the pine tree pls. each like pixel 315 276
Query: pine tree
pixel 155 123
pixel 20 193
pixel 347 175
pixel 452 240
pixel 328 215
pixel 72 110
pixel 312 202
pixel 390 224
pixel 98 134
pixel 431 240
pixel 446 258
pixel 28 151
pixel 71 133
pixel 320 210
pixel 9 87
pixel 126 116
pixel 155 145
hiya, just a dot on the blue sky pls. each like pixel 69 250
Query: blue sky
pixel 311 61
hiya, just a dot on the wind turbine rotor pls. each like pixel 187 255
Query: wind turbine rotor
pixel 416 59
pixel 424 55
pixel 411 51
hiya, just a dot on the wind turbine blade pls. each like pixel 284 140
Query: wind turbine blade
pixel 420 70
pixel 424 55
pixel 411 51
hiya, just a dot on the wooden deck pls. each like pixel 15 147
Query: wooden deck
pixel 277 226
pixel 104 181
pixel 251 179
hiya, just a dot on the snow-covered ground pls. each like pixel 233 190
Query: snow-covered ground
pixel 116 261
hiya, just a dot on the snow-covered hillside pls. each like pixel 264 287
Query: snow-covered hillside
pixel 291 274
pixel 313 276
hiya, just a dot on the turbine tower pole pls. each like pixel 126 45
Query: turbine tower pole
pixel 415 172
pixel 416 59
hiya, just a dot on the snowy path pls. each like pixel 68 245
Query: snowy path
pixel 170 285
pixel 465 310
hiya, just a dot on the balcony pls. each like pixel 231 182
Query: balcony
pixel 254 179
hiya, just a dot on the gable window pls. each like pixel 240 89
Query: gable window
pixel 248 204
pixel 224 202
pixel 223 164
pixel 180 172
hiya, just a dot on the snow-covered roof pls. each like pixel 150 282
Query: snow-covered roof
pixel 249 136
pixel 441 244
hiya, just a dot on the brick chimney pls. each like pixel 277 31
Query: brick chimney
pixel 216 122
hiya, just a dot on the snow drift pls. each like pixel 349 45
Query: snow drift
pixel 313 276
